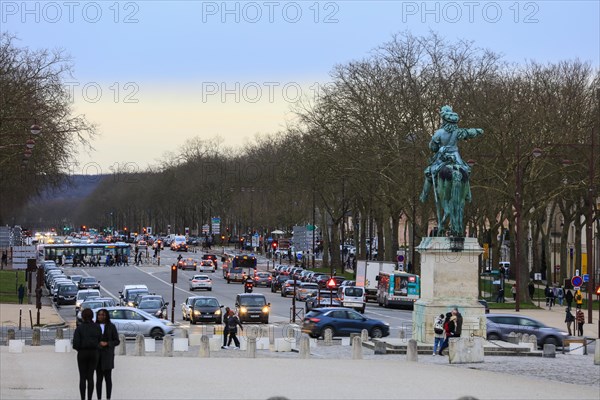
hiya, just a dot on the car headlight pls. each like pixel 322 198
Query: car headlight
pixel 196 312
pixel 265 309
pixel 243 310
pixel 130 303
pixel 218 312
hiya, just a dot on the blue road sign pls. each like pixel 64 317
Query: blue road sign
pixel 576 280
pixel 586 277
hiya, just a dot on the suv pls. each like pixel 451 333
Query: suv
pixel 211 257
pixel 252 307
pixel 499 326
pixel 127 295
pixel 236 275
pixel 352 297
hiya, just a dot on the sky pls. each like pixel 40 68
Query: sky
pixel 152 74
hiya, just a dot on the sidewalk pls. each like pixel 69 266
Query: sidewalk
pixel 260 378
pixel 9 315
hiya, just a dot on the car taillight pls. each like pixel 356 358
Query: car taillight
pixel 228 273
pixel 195 281
pixel 315 320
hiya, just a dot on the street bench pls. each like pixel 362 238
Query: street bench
pixel 581 341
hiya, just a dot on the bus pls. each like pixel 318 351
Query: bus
pixel 56 251
pixel 398 288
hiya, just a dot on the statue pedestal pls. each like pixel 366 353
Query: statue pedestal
pixel 449 278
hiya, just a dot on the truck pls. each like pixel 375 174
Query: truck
pixel 367 273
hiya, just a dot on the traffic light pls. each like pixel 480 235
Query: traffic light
pixel 173 273
pixel 274 244
pixel 331 283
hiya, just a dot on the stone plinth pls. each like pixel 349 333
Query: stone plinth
pixel 466 350
pixel 449 278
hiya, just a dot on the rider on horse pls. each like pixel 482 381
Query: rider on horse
pixel 444 145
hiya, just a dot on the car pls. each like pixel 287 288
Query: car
pixel 353 297
pixel 236 275
pixel 83 295
pixel 348 283
pixel 187 263
pixel 252 307
pixel 206 309
pixel 485 305
pixel 89 282
pixel 200 282
pixel 324 298
pixel 306 290
pixel 341 322
pixel 262 279
pixel 127 295
pixel 186 307
pixel 499 326
pixel 66 293
pixel 151 303
pixel 179 244
pixel 55 285
pixel 94 303
pixel 75 278
pixel 211 257
pixel 277 282
pixel 288 287
pixel 131 322
pixel 207 265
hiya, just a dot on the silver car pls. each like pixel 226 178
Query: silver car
pixel 131 321
pixel 499 326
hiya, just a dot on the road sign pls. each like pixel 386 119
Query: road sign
pixel 537 276
pixel 400 258
pixel 576 281
pixel 586 277
pixel 598 290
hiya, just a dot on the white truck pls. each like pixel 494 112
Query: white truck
pixel 367 272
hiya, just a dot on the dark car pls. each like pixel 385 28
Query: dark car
pixel 485 305
pixel 262 279
pixel 206 309
pixel 277 282
pixel 342 322
pixel 66 294
pixel 324 298
pixel 151 303
pixel 211 257
pixel 499 326
pixel 187 263
pixel 252 307
pixel 89 282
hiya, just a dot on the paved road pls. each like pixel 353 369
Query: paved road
pixel 157 278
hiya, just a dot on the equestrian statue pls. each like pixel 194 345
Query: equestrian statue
pixel 448 174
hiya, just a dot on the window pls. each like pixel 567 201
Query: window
pixel 529 323
pixel 355 316
pixel 353 291
pixel 132 315
pixel 338 314
pixel 116 314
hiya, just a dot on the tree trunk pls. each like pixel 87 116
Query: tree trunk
pixel 326 239
pixel 361 247
pixel 335 244
pixel 380 239
pixel 394 240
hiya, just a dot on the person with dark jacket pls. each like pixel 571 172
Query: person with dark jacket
pixel 232 323
pixel 569 298
pixel 569 319
pixel 86 340
pixel 449 328
pixel 106 360
pixel 459 322
pixel 225 327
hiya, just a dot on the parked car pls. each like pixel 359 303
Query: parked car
pixel 200 282
pixel 485 305
pixel 262 279
pixel 206 309
pixel 306 290
pixel 83 295
pixel 75 278
pixel 186 307
pixel 252 307
pixel 66 293
pixel 89 282
pixel 341 322
pixel 499 326
pixel 324 298
pixel 187 263
pixel 288 287
pixel 131 321
pixel 207 265
pixel 277 282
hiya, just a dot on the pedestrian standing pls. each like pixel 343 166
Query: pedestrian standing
pixel 560 294
pixel 569 319
pixel 86 341
pixel 580 321
pixel 458 322
pixel 548 293
pixel 513 291
pixel 531 289
pixel 569 298
pixel 106 360
pixel 500 296
pixel 233 322
pixel 4 259
pixel 438 330
pixel 449 327
pixel 225 327
pixel 21 293
pixel 552 297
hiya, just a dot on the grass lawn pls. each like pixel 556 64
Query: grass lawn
pixel 347 275
pixel 8 290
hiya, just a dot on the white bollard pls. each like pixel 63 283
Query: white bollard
pixel 412 353
pixel 357 353
pixel 140 345
pixel 204 351
pixel 304 347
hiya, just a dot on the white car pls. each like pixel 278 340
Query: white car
pixel 200 282
pixel 186 307
pixel 207 265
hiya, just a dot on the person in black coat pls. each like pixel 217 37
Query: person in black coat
pixel 86 340
pixel 106 360
pixel 569 298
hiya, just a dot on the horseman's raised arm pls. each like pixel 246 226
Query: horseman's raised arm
pixel 435 143
pixel 469 133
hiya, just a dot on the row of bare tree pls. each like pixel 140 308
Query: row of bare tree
pixel 354 158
